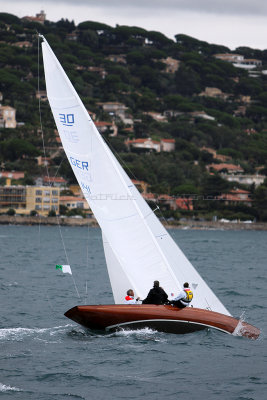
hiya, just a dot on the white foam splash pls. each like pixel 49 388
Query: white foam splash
pixel 20 333
pixel 142 332
pixel 5 388
pixel 239 329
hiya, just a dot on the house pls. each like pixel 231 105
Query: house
pixel 231 168
pixel 13 196
pixel 73 36
pixel 43 161
pixel 239 61
pixel 118 109
pixel 42 199
pixel 7 117
pixel 141 186
pixel 237 196
pixel 248 64
pixel 147 143
pixel 25 199
pixel 40 18
pixel 184 203
pixel 167 145
pixel 51 181
pixel 12 175
pixel 114 108
pixel 156 116
pixel 23 45
pixel 103 127
pixel 230 57
pixel 172 65
pixel 215 93
pixel 201 114
pixel 245 179
pixel 98 70
pixel 74 202
pixel 118 58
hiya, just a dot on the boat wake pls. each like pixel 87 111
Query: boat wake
pixel 18 334
pixel 139 332
pixel 6 388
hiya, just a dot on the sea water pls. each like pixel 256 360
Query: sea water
pixel 45 356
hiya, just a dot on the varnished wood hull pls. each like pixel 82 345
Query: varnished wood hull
pixel 162 318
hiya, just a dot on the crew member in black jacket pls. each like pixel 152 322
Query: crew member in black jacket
pixel 156 295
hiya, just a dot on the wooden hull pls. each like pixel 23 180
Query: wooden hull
pixel 163 318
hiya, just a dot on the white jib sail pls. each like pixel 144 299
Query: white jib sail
pixel 138 248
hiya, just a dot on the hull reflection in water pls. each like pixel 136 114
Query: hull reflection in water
pixel 162 318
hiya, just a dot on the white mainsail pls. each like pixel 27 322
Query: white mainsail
pixel 138 248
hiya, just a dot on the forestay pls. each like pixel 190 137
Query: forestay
pixel 138 248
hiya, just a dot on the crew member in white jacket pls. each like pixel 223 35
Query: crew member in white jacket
pixel 184 298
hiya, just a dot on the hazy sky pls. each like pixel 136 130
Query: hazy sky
pixel 232 23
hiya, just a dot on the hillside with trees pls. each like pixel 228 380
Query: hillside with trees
pixel 167 88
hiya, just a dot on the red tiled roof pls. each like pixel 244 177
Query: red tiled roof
pixel 168 140
pixel 12 174
pixel 54 179
pixel 103 123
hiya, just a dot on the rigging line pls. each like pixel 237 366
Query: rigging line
pixel 40 111
pixel 44 151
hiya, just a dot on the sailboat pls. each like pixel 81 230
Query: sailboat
pixel 138 249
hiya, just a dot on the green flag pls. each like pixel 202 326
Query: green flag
pixel 64 268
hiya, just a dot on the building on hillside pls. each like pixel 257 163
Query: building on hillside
pixel 23 45
pixel 200 114
pixel 76 190
pixel 245 179
pixel 12 175
pixel 157 116
pixel 7 117
pixel 114 108
pixel 104 126
pixel 167 145
pixel 239 61
pixel 214 92
pixel 73 36
pixel 13 196
pixel 237 196
pixel 98 70
pixel 172 65
pixel 54 181
pixel 40 18
pixel 141 186
pixel 149 144
pixel 230 57
pixel 24 199
pixel 184 203
pixel 43 161
pixel 118 58
pixel 230 168
pixel 248 64
pixel 42 199
pixel 74 202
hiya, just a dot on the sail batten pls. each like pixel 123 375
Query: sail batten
pixel 136 244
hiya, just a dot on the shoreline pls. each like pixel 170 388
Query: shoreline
pixel 189 224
